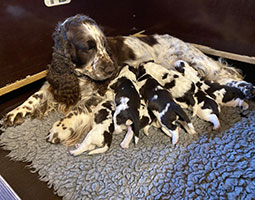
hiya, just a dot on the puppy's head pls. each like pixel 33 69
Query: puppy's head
pixel 86 46
pixel 180 66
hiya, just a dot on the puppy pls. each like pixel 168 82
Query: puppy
pixel 101 133
pixel 222 94
pixel 184 91
pixel 129 113
pixel 161 103
pixel 181 88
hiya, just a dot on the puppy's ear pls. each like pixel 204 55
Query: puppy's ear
pixel 132 69
pixel 180 67
pixel 64 84
pixel 115 85
pixel 145 62
pixel 140 71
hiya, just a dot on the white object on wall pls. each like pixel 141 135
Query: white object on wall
pixel 50 3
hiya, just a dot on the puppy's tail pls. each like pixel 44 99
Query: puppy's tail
pixel 136 126
pixel 99 150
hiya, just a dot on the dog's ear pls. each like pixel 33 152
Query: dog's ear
pixel 141 71
pixel 64 84
pixel 145 62
pixel 115 85
pixel 134 70
pixel 180 67
pixel 61 44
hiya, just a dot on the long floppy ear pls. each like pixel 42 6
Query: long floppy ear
pixel 63 81
pixel 61 45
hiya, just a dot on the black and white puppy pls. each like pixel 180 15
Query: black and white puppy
pixel 101 133
pixel 181 88
pixel 129 113
pixel 166 111
pixel 223 94
pixel 185 92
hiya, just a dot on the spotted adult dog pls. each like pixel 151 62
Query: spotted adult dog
pixel 185 92
pixel 166 111
pixel 84 59
pixel 130 113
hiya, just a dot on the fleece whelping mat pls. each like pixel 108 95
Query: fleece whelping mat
pixel 210 165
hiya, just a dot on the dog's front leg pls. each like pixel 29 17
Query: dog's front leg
pixel 69 129
pixel 33 103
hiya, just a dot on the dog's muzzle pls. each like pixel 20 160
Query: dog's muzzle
pixel 100 70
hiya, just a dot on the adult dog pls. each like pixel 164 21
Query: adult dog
pixel 84 59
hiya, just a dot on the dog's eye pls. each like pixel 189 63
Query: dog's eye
pixel 91 45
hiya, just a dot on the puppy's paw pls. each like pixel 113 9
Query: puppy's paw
pixel 124 145
pixel 216 127
pixel 74 152
pixel 175 135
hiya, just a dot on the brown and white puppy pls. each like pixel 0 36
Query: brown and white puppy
pixel 162 105
pixel 222 94
pixel 101 133
pixel 185 92
pixel 129 113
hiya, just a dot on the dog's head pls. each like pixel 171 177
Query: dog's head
pixel 81 40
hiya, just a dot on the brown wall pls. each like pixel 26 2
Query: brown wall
pixel 26 26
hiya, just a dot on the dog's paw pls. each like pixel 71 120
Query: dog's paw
pixel 16 116
pixel 175 135
pixel 59 132
pixel 75 152
pixel 124 145
pixel 245 87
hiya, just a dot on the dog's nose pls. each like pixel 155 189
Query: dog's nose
pixel 56 141
pixel 109 69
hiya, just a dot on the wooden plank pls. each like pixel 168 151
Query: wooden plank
pixel 223 54
pixel 18 84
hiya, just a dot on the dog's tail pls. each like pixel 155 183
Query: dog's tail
pixel 99 150
pixel 135 126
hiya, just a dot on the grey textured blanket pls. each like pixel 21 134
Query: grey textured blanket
pixel 209 165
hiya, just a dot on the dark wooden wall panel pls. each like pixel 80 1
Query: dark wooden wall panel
pixel 26 45
pixel 27 25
